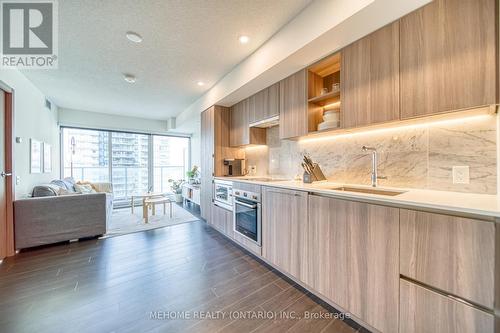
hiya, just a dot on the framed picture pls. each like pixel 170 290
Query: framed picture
pixel 47 157
pixel 36 156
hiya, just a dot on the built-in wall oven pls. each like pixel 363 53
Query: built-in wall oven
pixel 247 215
pixel 223 194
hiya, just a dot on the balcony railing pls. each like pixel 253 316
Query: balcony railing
pixel 128 181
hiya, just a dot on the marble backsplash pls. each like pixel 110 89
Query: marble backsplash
pixel 412 156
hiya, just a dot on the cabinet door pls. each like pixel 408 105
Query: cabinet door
pixel 353 256
pixel 449 253
pixel 448 57
pixel 273 101
pixel 293 105
pixel 423 310
pixel 207 162
pixel 239 119
pixel 257 106
pixel 327 248
pixel 373 264
pixel 222 220
pixel 284 225
pixel 370 78
pixel 240 132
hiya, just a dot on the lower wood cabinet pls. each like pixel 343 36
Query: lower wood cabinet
pixel 284 229
pixel 449 253
pixel 423 310
pixel 353 258
pixel 222 220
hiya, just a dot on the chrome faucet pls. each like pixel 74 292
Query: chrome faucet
pixel 375 177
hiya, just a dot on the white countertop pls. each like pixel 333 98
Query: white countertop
pixel 469 203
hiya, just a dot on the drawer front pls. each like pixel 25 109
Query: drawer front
pixel 449 253
pixel 423 310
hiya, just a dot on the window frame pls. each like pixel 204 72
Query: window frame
pixel 110 163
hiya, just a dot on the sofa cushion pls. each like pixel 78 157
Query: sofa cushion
pixel 84 188
pixel 70 184
pixel 45 190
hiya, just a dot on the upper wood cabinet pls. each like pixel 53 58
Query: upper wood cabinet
pixel 370 78
pixel 264 104
pixel 448 57
pixel 353 258
pixel 449 253
pixel 240 132
pixel 284 226
pixel 294 106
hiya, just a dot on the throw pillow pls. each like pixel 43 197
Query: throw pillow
pixel 84 188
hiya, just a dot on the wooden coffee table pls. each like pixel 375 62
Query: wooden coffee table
pixel 152 202
pixel 144 196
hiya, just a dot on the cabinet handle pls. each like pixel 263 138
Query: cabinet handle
pixel 290 194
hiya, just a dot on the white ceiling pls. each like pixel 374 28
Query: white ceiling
pixel 184 41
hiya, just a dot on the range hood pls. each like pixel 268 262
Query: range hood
pixel 266 123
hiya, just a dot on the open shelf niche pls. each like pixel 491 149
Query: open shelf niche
pixel 321 95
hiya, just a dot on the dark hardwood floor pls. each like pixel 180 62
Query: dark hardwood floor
pixel 118 284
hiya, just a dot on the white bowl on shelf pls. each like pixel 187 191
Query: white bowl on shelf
pixel 331 116
pixel 328 125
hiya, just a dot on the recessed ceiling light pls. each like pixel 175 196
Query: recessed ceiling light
pixel 200 83
pixel 134 37
pixel 244 39
pixel 129 78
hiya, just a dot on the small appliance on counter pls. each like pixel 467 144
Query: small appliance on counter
pixel 235 167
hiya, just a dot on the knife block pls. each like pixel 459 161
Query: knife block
pixel 317 173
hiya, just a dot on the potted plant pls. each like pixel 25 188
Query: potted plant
pixel 193 174
pixel 176 187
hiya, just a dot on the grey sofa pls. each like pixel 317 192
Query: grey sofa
pixel 48 217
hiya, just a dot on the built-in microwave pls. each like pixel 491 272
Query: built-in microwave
pixel 247 215
pixel 223 194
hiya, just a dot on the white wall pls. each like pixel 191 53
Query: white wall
pixel 32 120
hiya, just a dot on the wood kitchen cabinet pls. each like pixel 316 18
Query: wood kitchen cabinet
pixel 284 226
pixel 370 78
pixel 448 57
pixel 207 162
pixel 452 254
pixel 215 123
pixel 353 258
pixel 423 310
pixel 240 132
pixel 264 104
pixel 222 220
pixel 293 106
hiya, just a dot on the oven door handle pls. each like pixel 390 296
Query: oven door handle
pixel 245 204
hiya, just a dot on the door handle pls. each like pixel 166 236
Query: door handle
pixel 5 174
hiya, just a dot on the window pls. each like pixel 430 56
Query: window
pixel 130 160
pixel 170 160
pixel 134 163
pixel 85 154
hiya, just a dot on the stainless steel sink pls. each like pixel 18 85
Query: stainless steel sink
pixel 391 193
